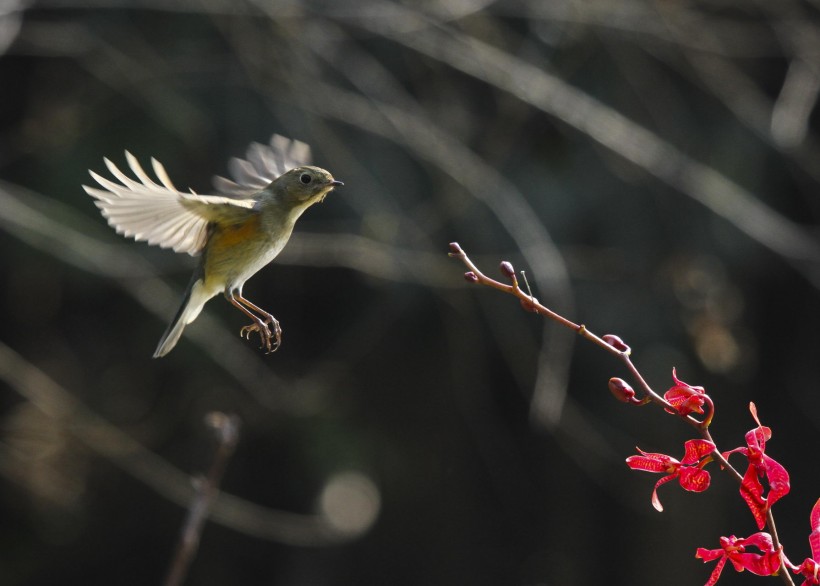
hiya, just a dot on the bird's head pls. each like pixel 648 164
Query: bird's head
pixel 304 186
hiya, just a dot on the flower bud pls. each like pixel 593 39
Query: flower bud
pixel 621 390
pixel 616 343
pixel 455 249
pixel 471 277
pixel 507 269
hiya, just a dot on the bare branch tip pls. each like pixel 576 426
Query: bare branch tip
pixel 225 426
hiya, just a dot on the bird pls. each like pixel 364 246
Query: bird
pixel 234 233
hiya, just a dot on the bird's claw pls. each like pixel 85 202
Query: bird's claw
pixel 270 340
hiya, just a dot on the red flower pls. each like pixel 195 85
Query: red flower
pixel 760 466
pixel 810 568
pixel 689 471
pixel 684 398
pixel 733 549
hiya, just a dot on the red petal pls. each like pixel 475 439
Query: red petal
pixel 716 572
pixel 656 502
pixel 696 449
pixel 762 541
pixel 814 517
pixel 814 537
pixel 753 411
pixel 752 492
pixel 694 479
pixel 778 479
pixel 651 462
pixel 708 555
pixel 685 400
pixel 809 569
pixel 766 564
pixel 744 451
pixel 680 383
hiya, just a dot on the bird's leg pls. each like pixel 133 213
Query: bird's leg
pixel 269 322
pixel 257 326
pixel 262 323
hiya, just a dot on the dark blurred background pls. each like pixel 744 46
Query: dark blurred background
pixel 653 166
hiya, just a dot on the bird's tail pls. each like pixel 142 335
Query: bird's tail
pixel 192 303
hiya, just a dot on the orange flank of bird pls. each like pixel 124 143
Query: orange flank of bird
pixel 234 234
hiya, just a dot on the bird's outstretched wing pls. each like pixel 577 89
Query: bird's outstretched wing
pixel 264 163
pixel 161 214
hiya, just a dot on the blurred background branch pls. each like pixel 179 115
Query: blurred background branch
pixel 109 442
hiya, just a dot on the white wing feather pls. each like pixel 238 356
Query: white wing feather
pixel 161 214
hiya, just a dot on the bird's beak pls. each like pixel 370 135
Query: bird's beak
pixel 336 183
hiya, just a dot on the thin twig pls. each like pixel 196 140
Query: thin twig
pixel 226 428
pixel 530 303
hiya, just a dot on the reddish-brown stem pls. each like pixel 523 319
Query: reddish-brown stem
pixel 530 303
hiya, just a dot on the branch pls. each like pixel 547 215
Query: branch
pixel 614 345
pixel 226 428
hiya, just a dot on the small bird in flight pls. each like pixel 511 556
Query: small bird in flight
pixel 235 233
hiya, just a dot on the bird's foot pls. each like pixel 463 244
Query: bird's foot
pixel 270 340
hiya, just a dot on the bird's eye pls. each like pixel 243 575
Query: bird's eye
pixel 305 178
